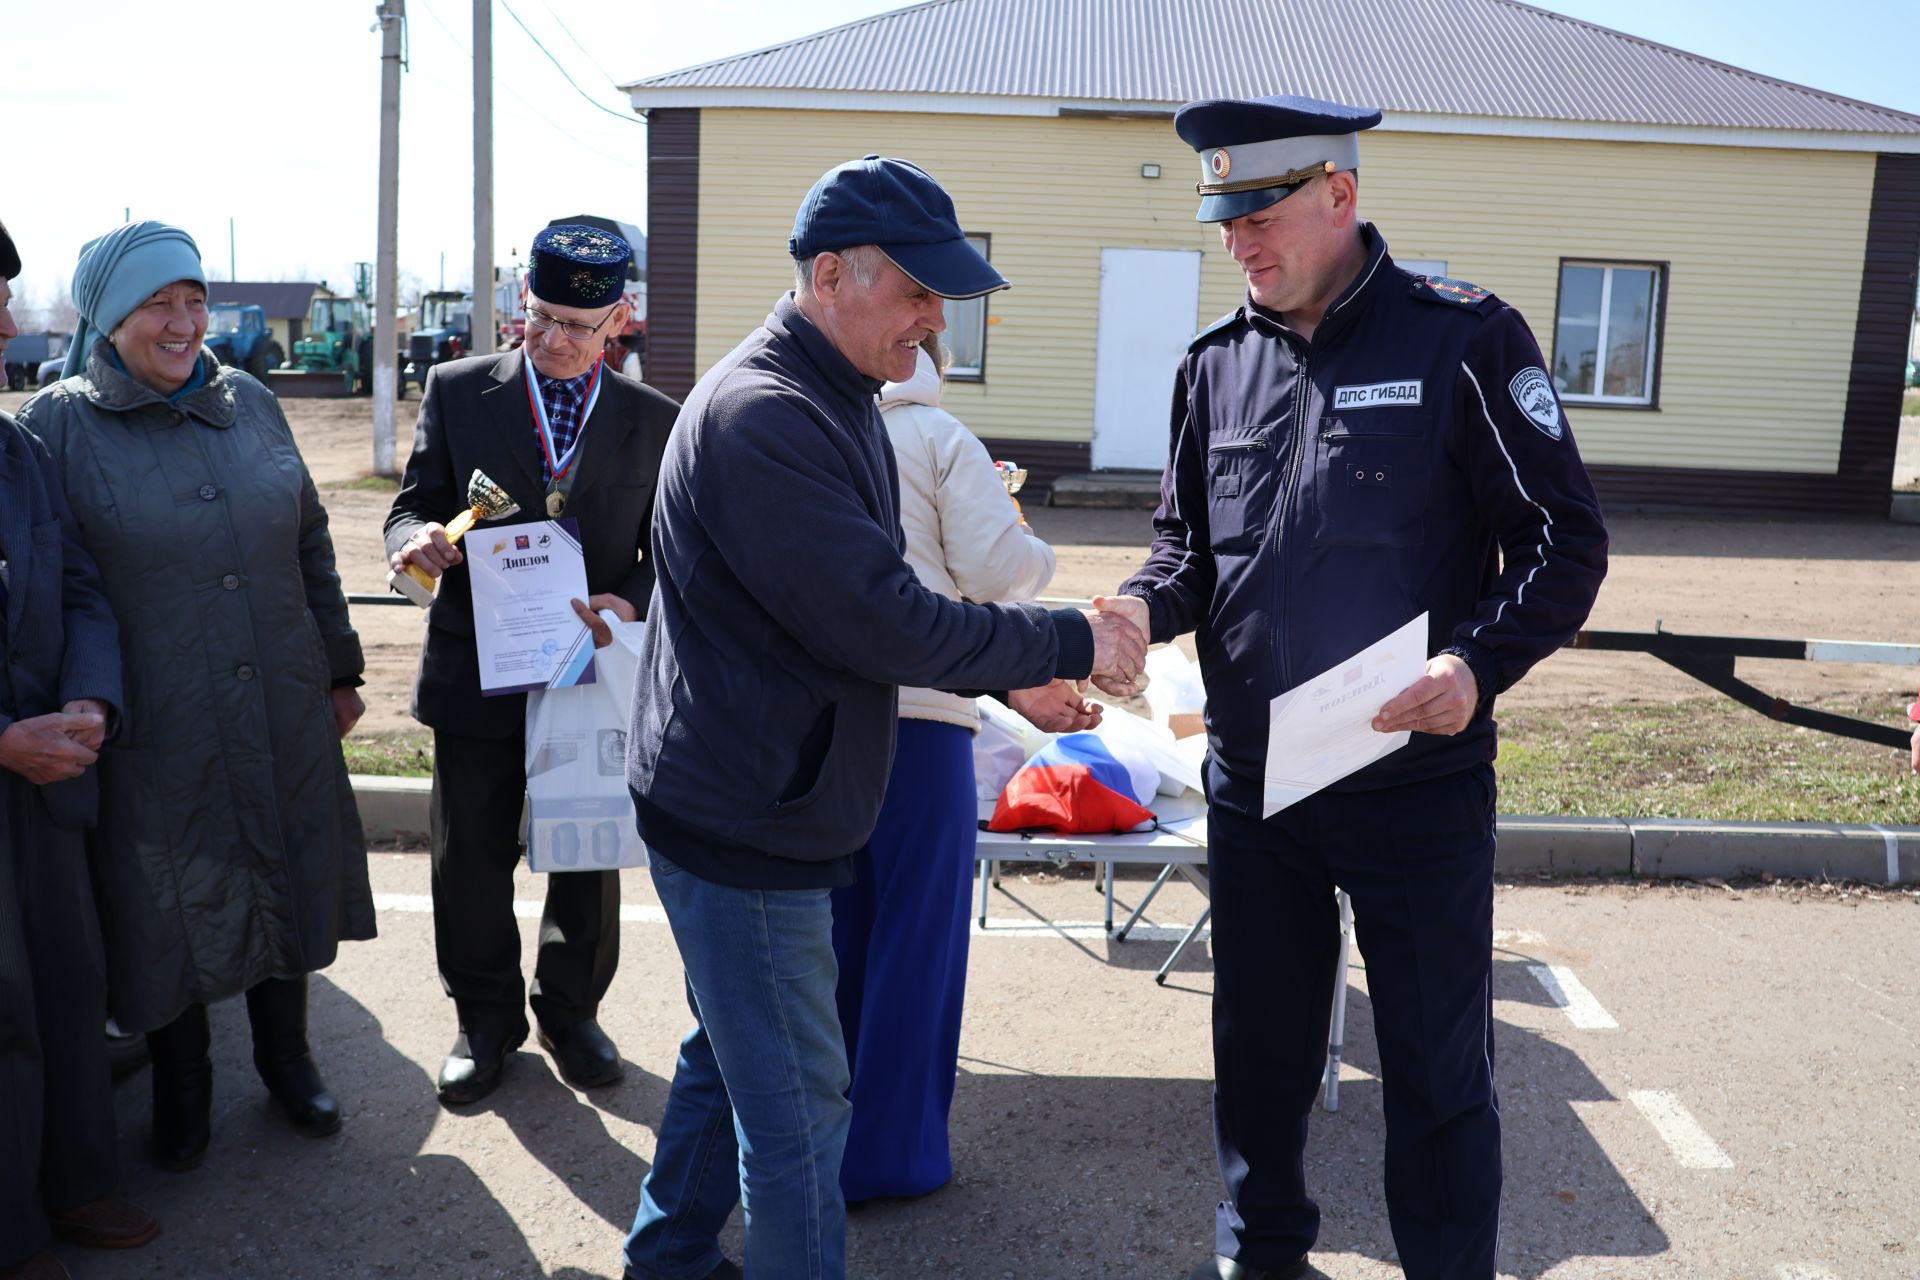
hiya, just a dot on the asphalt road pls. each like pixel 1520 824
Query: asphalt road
pixel 1695 1083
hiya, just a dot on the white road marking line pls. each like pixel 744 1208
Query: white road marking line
pixel 1021 927
pixel 1679 1130
pixel 1893 851
pixel 1802 1271
pixel 1568 992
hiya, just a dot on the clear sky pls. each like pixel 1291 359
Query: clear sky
pixel 267 113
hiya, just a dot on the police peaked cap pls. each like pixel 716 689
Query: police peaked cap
pixel 1258 151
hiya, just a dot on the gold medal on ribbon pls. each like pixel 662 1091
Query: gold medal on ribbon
pixel 556 504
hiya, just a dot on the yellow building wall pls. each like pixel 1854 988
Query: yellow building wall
pixel 1764 250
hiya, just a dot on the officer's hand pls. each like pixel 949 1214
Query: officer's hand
pixel 429 549
pixel 1439 702
pixel 596 625
pixel 1133 609
pixel 47 748
pixel 1055 708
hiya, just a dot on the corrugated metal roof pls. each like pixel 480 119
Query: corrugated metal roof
pixel 280 300
pixel 1488 58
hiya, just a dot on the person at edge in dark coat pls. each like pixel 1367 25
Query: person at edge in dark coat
pixel 564 434
pixel 1351 447
pixel 60 699
pixel 229 856
pixel 783 622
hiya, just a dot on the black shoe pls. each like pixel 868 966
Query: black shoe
pixel 277 1008
pixel 182 1090
pixel 584 1054
pixel 727 1270
pixel 473 1066
pixel 1222 1268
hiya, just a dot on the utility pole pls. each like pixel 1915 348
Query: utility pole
pixel 386 307
pixel 482 177
pixel 233 271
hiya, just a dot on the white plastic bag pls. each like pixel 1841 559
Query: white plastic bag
pixel 1174 686
pixel 579 812
pixel 1178 763
pixel 1004 743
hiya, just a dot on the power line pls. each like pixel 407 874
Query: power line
pixel 561 23
pixel 598 106
pixel 533 108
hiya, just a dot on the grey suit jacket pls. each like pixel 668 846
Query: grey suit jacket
pixel 474 415
pixel 59 641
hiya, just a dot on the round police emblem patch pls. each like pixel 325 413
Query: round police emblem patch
pixel 1533 392
pixel 1220 162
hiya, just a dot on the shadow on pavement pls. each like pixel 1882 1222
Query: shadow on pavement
pixel 269 1202
pixel 1115 1177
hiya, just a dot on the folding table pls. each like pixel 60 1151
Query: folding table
pixel 1179 846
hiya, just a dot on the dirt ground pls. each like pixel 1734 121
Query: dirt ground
pixel 1797 578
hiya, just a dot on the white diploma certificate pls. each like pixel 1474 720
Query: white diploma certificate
pixel 525 578
pixel 1322 729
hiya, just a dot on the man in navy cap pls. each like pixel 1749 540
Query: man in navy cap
pixel 785 618
pixel 1355 445
pixel 565 435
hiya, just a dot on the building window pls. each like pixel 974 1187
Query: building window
pixel 1606 335
pixel 966 335
pixel 1429 267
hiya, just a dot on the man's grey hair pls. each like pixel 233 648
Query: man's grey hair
pixel 867 262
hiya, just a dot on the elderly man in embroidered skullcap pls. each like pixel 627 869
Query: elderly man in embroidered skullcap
pixel 563 433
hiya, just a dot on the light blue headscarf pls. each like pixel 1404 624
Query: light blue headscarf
pixel 121 270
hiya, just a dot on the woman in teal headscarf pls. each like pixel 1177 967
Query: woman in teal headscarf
pixel 229 856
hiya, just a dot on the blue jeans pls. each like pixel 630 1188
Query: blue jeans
pixel 757 1113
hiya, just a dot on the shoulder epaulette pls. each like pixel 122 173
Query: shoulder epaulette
pixel 1457 293
pixel 1230 318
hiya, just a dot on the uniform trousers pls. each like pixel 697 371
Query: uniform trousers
pixel 56 1088
pixel 1417 862
pixel 479 789
pixel 900 934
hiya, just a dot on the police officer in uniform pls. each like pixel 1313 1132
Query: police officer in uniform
pixel 1354 445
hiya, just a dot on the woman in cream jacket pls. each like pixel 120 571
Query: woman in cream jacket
pixel 900 932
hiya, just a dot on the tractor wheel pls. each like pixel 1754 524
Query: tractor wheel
pixel 264 356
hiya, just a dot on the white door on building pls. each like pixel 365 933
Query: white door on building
pixel 1149 302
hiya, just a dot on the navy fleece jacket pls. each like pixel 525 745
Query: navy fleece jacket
pixel 784 619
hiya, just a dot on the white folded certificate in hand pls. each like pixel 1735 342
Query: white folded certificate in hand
pixel 1321 730
pixel 525 578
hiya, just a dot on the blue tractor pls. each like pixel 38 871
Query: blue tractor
pixel 238 335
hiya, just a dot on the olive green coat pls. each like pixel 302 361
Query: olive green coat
pixel 229 848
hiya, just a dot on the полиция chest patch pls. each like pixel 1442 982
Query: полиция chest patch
pixel 1404 394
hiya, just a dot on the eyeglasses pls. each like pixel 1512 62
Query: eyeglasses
pixel 578 332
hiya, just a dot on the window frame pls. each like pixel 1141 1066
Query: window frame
pixel 1656 332
pixel 974 373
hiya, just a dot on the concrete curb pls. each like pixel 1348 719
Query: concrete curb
pixel 394 810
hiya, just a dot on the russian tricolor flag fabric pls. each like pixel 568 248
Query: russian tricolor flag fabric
pixel 1077 784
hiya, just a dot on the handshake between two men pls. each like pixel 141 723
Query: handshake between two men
pixel 1119 625
pixel 1442 701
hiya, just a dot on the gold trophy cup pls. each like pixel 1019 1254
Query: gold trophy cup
pixel 485 501
pixel 1013 477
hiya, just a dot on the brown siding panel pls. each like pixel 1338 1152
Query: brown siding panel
pixel 1870 425
pixel 673 233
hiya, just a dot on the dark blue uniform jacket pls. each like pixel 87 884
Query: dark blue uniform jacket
pixel 1318 495
pixel 785 618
